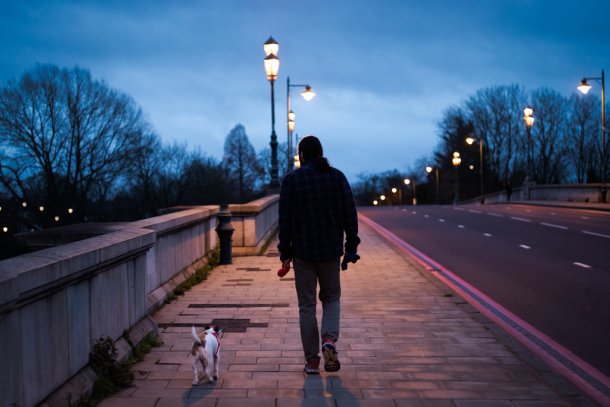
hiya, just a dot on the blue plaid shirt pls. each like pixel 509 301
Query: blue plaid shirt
pixel 316 208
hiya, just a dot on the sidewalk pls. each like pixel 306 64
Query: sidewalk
pixel 406 340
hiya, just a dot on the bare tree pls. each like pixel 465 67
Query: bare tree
pixel 548 136
pixel 582 128
pixel 65 137
pixel 240 161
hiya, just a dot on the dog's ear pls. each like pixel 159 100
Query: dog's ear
pixel 206 328
pixel 217 329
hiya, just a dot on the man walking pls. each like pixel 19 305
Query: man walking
pixel 316 211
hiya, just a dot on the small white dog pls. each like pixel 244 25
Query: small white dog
pixel 206 352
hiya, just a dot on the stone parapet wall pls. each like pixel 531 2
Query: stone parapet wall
pixel 57 302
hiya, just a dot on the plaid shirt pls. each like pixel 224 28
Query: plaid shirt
pixel 315 209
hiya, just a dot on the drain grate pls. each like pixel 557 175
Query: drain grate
pixel 252 269
pixel 239 305
pixel 227 325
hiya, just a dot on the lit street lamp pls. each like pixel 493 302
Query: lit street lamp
pixel 584 88
pixel 307 94
pixel 272 66
pixel 407 181
pixel 528 118
pixel 456 161
pixel 429 170
pixel 470 141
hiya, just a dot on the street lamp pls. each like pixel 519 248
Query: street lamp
pixel 456 161
pixel 584 88
pixel 470 141
pixel 307 94
pixel 407 181
pixel 272 66
pixel 528 118
pixel 429 170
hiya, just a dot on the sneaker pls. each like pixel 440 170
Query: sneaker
pixel 329 351
pixel 312 366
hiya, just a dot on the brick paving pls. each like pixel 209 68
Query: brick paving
pixel 406 341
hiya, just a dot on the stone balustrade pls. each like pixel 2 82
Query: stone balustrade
pixel 57 302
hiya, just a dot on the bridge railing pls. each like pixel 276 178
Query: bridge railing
pixel 57 302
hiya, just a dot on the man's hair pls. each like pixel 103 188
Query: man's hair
pixel 311 150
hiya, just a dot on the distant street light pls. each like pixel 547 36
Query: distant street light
pixel 429 169
pixel 272 66
pixel 375 202
pixel 307 94
pixel 456 161
pixel 528 118
pixel 584 88
pixel 407 181
pixel 470 141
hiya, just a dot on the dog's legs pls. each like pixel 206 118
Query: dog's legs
pixel 216 365
pixel 208 369
pixel 195 372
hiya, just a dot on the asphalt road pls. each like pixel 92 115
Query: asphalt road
pixel 549 266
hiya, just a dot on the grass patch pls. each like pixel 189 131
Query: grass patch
pixel 112 375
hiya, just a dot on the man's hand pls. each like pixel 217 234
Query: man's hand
pixel 349 258
pixel 285 268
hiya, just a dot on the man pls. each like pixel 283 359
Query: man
pixel 316 209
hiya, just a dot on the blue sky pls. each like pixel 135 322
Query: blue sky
pixel 384 71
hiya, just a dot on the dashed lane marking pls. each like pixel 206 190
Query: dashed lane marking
pixel 524 246
pixel 586 232
pixel 554 226
pixel 497 215
pixel 583 265
pixel 520 219
pixel 461 226
pixel 487 234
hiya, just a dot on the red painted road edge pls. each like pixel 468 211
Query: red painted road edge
pixel 544 347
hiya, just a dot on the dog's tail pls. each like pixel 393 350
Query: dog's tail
pixel 195 336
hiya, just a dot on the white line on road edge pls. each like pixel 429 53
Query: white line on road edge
pixel 487 234
pixel 524 246
pixel 520 219
pixel 595 234
pixel 585 266
pixel 554 226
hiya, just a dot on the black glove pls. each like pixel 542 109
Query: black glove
pixel 349 258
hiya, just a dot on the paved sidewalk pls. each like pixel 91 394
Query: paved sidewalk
pixel 406 340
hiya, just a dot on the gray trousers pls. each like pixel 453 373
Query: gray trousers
pixel 307 275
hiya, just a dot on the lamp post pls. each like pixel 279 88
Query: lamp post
pixel 584 88
pixel 307 94
pixel 456 161
pixel 407 181
pixel 470 141
pixel 429 170
pixel 272 66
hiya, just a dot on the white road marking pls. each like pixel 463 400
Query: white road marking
pixel 441 220
pixel 426 216
pixel 524 246
pixel 461 226
pixel 595 234
pixel 520 219
pixel 487 234
pixel 553 214
pixel 497 215
pixel 584 217
pixel 554 226
pixel 459 209
pixel 585 266
pixel 474 211
pixel 414 212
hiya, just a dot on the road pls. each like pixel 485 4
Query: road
pixel 549 266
